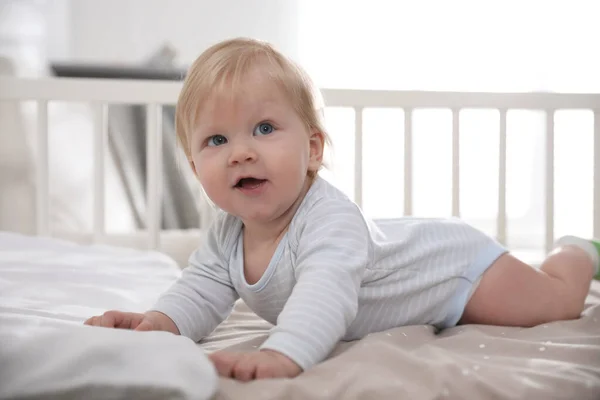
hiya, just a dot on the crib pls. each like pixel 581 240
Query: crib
pixel 153 96
pixel 433 365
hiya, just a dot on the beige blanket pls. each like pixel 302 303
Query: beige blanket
pixel 554 361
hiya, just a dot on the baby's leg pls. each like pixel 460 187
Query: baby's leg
pixel 513 293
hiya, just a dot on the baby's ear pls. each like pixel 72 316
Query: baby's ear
pixel 317 143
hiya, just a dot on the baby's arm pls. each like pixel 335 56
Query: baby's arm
pixel 194 305
pixel 332 254
pixel 204 295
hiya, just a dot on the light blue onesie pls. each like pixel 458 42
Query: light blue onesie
pixel 334 276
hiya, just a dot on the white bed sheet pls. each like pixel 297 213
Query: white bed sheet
pixel 49 287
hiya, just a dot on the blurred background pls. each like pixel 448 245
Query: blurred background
pixel 485 45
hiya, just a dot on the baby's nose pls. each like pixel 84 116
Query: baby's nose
pixel 242 153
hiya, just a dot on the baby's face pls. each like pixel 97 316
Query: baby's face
pixel 252 154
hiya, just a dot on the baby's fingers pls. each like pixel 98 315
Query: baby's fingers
pixel 245 369
pixel 91 321
pixel 144 325
pixel 224 362
pixel 111 319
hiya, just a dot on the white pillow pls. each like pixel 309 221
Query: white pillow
pixel 48 287
pixel 68 361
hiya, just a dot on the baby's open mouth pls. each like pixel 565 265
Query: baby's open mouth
pixel 249 183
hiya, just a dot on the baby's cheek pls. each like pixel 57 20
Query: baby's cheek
pixel 206 170
pixel 213 185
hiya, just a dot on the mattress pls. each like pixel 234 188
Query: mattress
pixel 48 287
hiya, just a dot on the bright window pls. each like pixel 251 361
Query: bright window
pixel 465 46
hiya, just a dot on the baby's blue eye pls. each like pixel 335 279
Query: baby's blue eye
pixel 217 140
pixel 263 129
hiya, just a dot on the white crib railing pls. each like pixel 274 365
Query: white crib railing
pixel 155 94
pixel 99 93
pixel 456 101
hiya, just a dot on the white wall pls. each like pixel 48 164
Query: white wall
pixel 22 35
pixel 124 32
pixel 118 31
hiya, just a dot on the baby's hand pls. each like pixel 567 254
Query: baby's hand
pixel 150 321
pixel 255 365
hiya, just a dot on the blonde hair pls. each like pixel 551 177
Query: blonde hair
pixel 222 68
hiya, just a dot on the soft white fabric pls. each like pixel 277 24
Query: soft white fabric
pixel 49 287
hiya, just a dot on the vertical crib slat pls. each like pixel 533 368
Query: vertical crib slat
pixel 455 162
pixel 100 143
pixel 501 217
pixel 154 170
pixel 42 173
pixel 358 156
pixel 408 152
pixel 549 239
pixel 597 173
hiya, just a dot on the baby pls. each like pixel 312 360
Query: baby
pixel 303 256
